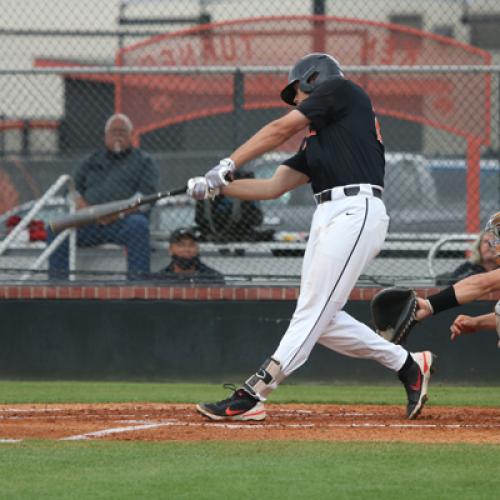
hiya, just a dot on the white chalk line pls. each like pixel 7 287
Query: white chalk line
pixel 344 426
pixel 31 410
pixel 253 426
pixel 114 430
pixel 86 416
pixel 146 425
pixel 134 422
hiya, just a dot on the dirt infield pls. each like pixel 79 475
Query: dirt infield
pixel 167 422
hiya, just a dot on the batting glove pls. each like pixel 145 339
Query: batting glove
pixel 197 188
pixel 220 175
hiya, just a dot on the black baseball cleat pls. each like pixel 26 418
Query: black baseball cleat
pixel 415 379
pixel 240 406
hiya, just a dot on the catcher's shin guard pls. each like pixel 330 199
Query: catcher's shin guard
pixel 267 377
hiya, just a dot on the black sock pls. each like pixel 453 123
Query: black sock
pixel 408 363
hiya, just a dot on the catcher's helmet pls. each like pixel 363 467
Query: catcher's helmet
pixel 310 71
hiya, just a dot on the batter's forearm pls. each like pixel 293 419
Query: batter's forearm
pixel 266 139
pixel 251 189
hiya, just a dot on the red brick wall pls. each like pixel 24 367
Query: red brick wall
pixel 178 292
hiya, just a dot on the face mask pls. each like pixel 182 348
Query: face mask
pixel 185 263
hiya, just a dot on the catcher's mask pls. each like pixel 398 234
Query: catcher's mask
pixel 310 71
pixel 493 226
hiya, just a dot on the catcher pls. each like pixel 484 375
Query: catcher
pixel 396 310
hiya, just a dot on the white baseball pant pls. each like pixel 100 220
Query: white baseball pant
pixel 346 234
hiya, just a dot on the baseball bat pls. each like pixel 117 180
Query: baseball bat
pixel 95 213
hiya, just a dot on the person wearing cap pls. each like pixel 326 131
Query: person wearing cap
pixel 185 263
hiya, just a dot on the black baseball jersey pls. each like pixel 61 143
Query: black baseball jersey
pixel 343 145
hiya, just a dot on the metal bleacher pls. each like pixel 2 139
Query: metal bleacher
pixel 280 260
pixel 425 255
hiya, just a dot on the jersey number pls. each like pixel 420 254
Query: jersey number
pixel 378 131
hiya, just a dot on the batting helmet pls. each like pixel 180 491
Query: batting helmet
pixel 310 71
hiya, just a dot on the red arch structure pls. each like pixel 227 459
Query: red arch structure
pixel 454 102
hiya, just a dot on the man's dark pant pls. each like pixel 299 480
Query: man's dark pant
pixel 131 232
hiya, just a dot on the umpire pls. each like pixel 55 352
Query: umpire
pixel 342 156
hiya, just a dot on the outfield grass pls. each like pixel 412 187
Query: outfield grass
pixel 267 470
pixel 114 392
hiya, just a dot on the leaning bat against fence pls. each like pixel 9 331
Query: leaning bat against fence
pixel 96 213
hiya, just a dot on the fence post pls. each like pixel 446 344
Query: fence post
pixel 473 185
pixel 238 103
pixel 118 84
pixel 2 135
pixel 25 132
pixel 319 30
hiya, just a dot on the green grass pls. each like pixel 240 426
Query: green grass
pixel 267 470
pixel 103 392
pixel 218 470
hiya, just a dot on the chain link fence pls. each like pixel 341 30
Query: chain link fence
pixel 196 79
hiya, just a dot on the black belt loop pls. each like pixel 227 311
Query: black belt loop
pixel 348 191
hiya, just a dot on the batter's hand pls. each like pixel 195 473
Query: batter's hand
pixel 197 188
pixel 463 324
pixel 221 175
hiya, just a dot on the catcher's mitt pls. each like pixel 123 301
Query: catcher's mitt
pixel 393 313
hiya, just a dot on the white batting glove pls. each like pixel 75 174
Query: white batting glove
pixel 220 175
pixel 197 188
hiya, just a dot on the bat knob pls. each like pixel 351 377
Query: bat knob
pixel 229 177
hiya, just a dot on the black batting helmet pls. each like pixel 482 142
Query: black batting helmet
pixel 321 66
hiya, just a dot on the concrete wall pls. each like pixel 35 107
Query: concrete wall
pixel 220 341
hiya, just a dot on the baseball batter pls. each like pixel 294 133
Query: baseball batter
pixel 467 290
pixel 342 156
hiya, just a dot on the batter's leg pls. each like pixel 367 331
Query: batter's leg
pixel 346 335
pixel 343 243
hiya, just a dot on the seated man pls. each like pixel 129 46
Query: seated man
pixel 116 172
pixel 185 264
